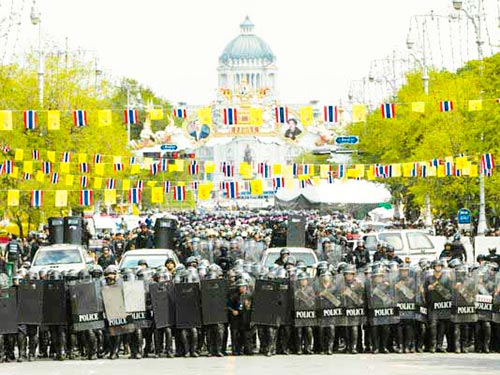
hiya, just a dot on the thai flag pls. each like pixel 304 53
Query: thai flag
pixel 295 169
pixel 193 168
pixel 281 114
pixel 84 168
pixel 134 196
pixel 164 165
pixel 341 171
pixel 97 158
pixel 47 167
pixel 435 162
pixel 133 160
pixel 131 116
pixel 264 169
pixel 458 172
pixel 153 169
pixel 166 187
pixel 30 120
pixel 118 167
pixel 110 184
pixel 66 157
pixel 55 178
pixel 6 149
pixel 36 198
pixel 80 118
pixel 448 167
pixel 331 113
pixel 304 183
pixel 414 170
pixel 306 169
pixel 446 106
pixel 180 113
pixel 84 182
pixel 331 178
pixel 86 197
pixel 388 110
pixel 388 170
pixel 278 183
pixel 180 193
pixel 194 185
pixel 227 169
pixel 8 166
pixel 27 176
pixel 423 171
pixel 379 171
pixel 35 154
pixel 232 189
pixel 230 116
pixel 139 185
pixel 487 162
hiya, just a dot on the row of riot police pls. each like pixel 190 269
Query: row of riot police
pixel 200 309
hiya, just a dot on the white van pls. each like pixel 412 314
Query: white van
pixel 411 245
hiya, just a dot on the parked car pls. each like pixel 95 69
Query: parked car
pixel 154 257
pixel 61 257
pixel 409 244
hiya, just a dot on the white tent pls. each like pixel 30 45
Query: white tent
pixel 349 191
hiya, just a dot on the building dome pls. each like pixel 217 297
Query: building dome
pixel 247 46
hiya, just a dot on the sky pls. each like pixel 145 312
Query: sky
pixel 173 46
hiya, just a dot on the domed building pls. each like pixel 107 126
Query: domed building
pixel 247 59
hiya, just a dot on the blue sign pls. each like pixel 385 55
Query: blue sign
pixel 168 147
pixel 463 216
pixel 349 140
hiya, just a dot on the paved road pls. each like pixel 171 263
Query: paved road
pixel 366 364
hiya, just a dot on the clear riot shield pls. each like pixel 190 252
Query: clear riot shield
pixel 464 291
pixel 213 301
pixel 54 303
pixel 30 302
pixel 187 305
pixel 405 288
pixel 87 311
pixel 495 318
pixel 304 302
pixel 163 304
pixel 485 284
pixel 421 302
pixel 352 292
pixel 329 300
pixel 252 250
pixel 206 250
pixel 119 322
pixel 382 305
pixel 439 294
pixel 8 311
pixel 334 256
pixel 134 293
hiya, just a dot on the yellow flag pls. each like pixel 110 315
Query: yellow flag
pixel 370 173
pixel 157 194
pixel 256 116
pixel 441 172
pixel 5 120
pixel 418 107
pixel 104 117
pixel 82 157
pixel 69 180
pixel 396 170
pixel 19 154
pixel 431 171
pixel 473 170
pixel 475 105
pixel 51 156
pixel 53 120
pixel 172 167
pixel 351 173
pixel 205 116
pixel 61 199
pixel 97 183
pixel 64 168
pixel 180 165
pixel 256 187
pixel 461 162
pixel 361 170
pixel 277 169
pixel 358 113
pixel 156 114
pixel 40 176
pixel 135 210
pixel 28 167
pixel 99 169
pixel 204 191
pixel 109 197
pixel 13 198
pixel 209 167
pixel 306 115
pixel 135 169
pixel 245 170
pixel 407 168
pixel 15 173
pixel 125 184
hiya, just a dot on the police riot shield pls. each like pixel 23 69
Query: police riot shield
pixel 485 284
pixel 464 291
pixel 119 322
pixel 439 294
pixel 213 301
pixel 87 311
pixel 30 302
pixel 495 316
pixel 73 230
pixel 54 303
pixel 406 293
pixel 164 232
pixel 304 302
pixel 352 291
pixel 253 250
pixel 187 305
pixel 134 293
pixel 163 304
pixel 421 302
pixel 271 303
pixel 329 300
pixel 56 230
pixel 8 311
pixel 382 306
pixel 296 233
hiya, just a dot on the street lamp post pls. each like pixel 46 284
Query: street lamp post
pixel 36 20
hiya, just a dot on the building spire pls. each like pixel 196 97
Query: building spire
pixel 247 26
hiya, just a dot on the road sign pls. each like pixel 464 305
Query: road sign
pixel 463 216
pixel 168 147
pixel 349 140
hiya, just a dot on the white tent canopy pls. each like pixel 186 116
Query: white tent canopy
pixel 349 191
